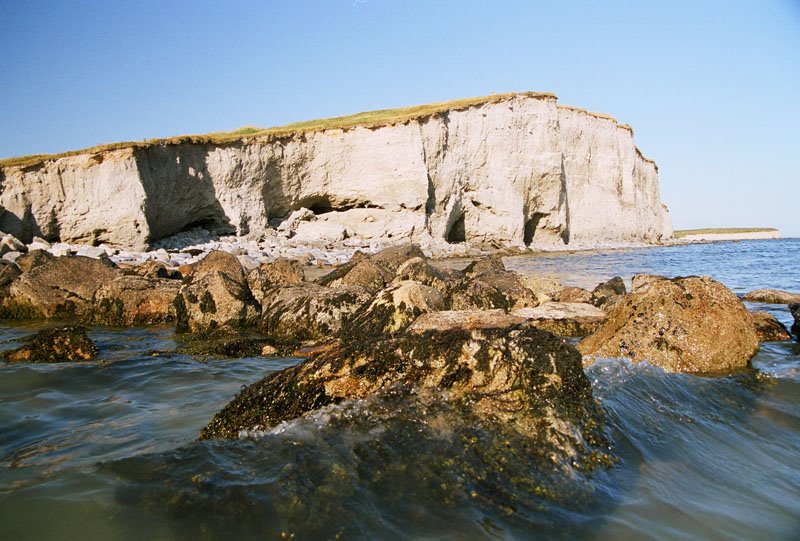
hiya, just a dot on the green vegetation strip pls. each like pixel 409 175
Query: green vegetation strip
pixel 721 231
pixel 369 119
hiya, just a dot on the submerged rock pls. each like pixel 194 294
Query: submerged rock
pixel 524 378
pixel 564 318
pixel 772 296
pixel 64 344
pixel 692 324
pixel 768 328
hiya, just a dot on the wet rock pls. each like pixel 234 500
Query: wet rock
pixel 608 291
pixel 772 296
pixel 391 258
pixel 564 318
pixel 234 347
pixel 465 320
pixel 310 311
pixel 692 324
pixel 33 258
pixel 59 287
pixel 135 300
pixel 512 286
pixel 474 294
pixel 278 273
pixel 768 328
pixel 573 294
pixel 394 309
pixel 367 274
pixel 214 300
pixel 523 378
pixel 794 308
pixel 64 344
pixel 418 269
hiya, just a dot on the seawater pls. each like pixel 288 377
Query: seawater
pixel 108 449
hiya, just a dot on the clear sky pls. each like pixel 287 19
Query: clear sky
pixel 711 88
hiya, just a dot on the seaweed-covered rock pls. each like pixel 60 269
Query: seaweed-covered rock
pixel 64 344
pixel 215 300
pixel 394 309
pixel 794 308
pixel 272 274
pixel 418 269
pixel 772 296
pixel 475 294
pixel 564 318
pixel 59 287
pixel 32 259
pixel 608 292
pixel 573 294
pixel 489 264
pixel 513 287
pixel 768 328
pixel 365 273
pixel 692 324
pixel 135 300
pixel 310 311
pixel 233 346
pixel 641 280
pixel 525 378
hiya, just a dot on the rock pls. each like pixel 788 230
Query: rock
pixel 59 287
pixel 391 258
pixel 564 318
pixel 63 344
pixel 11 256
pixel 218 261
pixel 772 296
pixel 319 232
pixel 295 218
pixel 269 351
pixel 768 328
pixel 152 269
pixel 366 273
pixel 794 308
pixel 8 272
pixel 279 273
pixel 215 301
pixel 466 320
pixel 608 291
pixel 310 311
pixel 135 300
pixel 341 271
pixel 693 325
pixel 394 309
pixel 523 378
pixel 573 294
pixel 641 280
pixel 490 264
pixel 418 269
pixel 473 294
pixel 512 286
pixel 232 346
pixel 32 259
pixel 544 287
pixel 10 243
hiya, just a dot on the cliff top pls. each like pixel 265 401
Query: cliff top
pixel 368 119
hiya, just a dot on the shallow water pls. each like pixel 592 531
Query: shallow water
pixel 108 450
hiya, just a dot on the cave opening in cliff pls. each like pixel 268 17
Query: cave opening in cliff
pixel 457 233
pixel 530 228
pixel 318 205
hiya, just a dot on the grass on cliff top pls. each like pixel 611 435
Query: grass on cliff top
pixel 679 234
pixel 369 119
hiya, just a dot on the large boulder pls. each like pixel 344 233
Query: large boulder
pixel 310 311
pixel 59 287
pixel 772 296
pixel 272 274
pixel 523 378
pixel 63 344
pixel 32 259
pixel 391 258
pixel 692 324
pixel 217 261
pixel 768 328
pixel 365 273
pixel 564 318
pixel 475 294
pixel 608 292
pixel 394 309
pixel 418 269
pixel 135 300
pixel 216 301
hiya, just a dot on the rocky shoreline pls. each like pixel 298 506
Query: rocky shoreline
pixel 501 347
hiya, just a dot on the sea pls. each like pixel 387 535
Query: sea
pixel 108 450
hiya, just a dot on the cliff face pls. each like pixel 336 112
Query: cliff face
pixel 518 171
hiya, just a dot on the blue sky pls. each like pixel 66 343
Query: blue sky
pixel 712 88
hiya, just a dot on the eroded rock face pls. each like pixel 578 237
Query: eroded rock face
pixel 509 172
pixel 63 344
pixel 310 311
pixel 564 318
pixel 692 324
pixel 135 300
pixel 772 296
pixel 528 379
pixel 768 328
pixel 58 287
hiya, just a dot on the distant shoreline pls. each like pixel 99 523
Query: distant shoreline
pixel 723 234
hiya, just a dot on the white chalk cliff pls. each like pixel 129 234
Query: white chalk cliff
pixel 520 170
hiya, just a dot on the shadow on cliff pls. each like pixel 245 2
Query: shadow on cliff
pixel 179 192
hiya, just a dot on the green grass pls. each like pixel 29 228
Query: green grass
pixel 681 233
pixel 369 119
